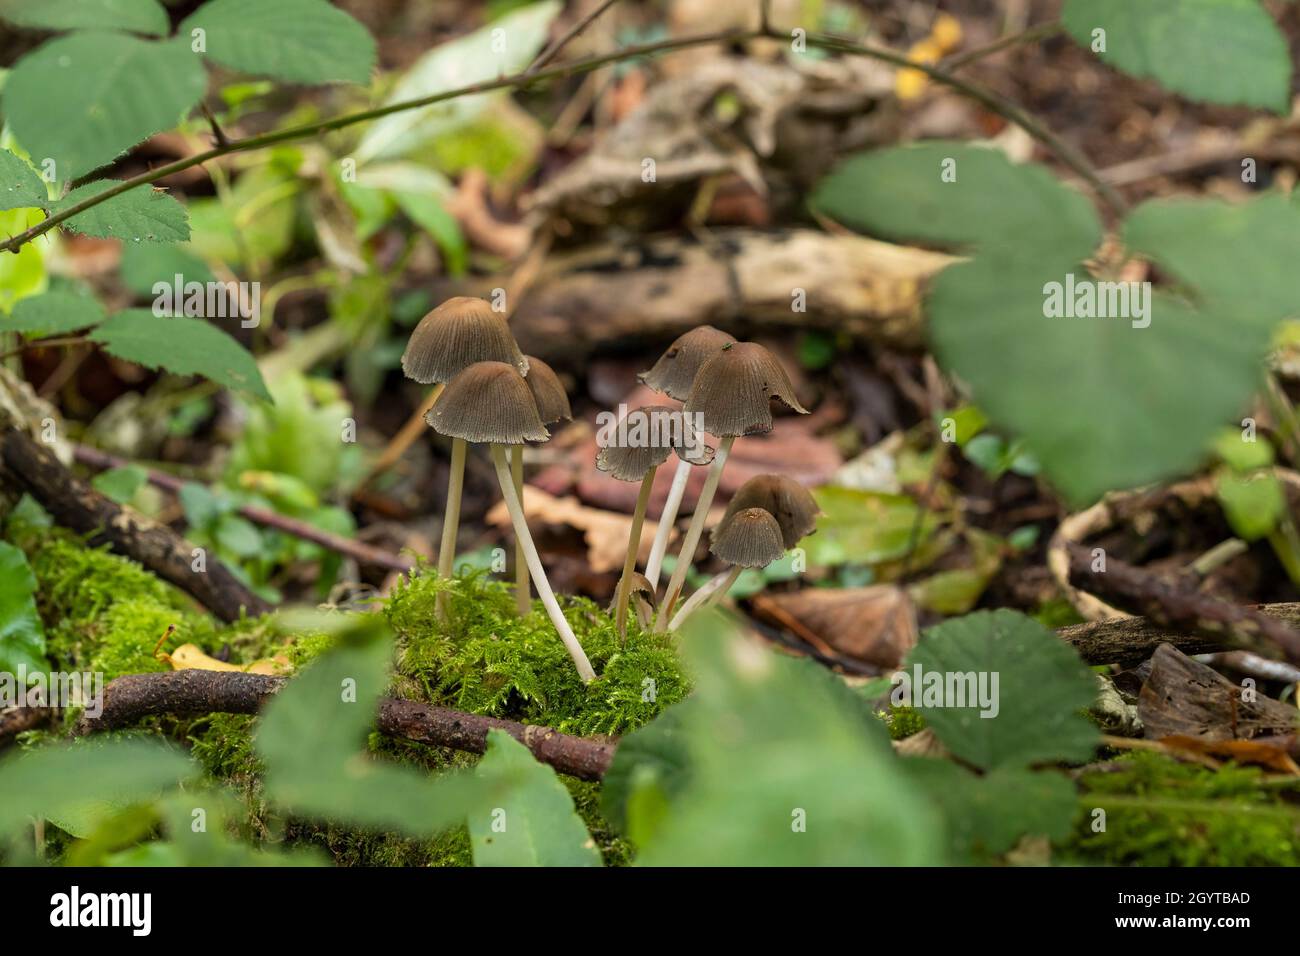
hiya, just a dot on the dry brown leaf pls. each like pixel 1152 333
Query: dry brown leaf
pixel 1271 754
pixel 874 624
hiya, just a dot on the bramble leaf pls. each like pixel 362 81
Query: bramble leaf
pixel 301 41
pixel 20 187
pixel 182 346
pixel 133 16
pixel 142 214
pixel 22 637
pixel 53 313
pixel 1217 51
pixel 85 98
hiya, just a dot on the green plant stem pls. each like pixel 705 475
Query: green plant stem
pixel 709 592
pixel 544 591
pixel 633 545
pixel 666 518
pixel 1004 108
pixel 523 591
pixel 451 519
pixel 1040 32
pixel 693 534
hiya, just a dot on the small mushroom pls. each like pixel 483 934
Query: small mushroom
pixel 490 402
pixel 790 503
pixel 732 396
pixel 674 374
pixel 642 595
pixel 552 406
pixel 643 440
pixel 450 338
pixel 750 538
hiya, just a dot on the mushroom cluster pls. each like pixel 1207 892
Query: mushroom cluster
pixel 490 393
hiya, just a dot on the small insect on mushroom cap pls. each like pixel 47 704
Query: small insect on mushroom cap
pixel 644 438
pixel 674 373
pixel 790 503
pixel 548 393
pixel 748 539
pixel 488 402
pixel 733 391
pixel 454 336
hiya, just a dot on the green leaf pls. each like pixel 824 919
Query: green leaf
pixel 1034 706
pixel 20 186
pixel 139 214
pixel 121 484
pixel 22 638
pixel 863 527
pixel 85 98
pixel 144 264
pixel 182 346
pixel 239 536
pixel 988 814
pixel 134 16
pixel 1216 51
pixel 654 756
pixel 1236 258
pixel 477 57
pixel 1100 404
pixel 1241 453
pixel 60 778
pixel 54 313
pixel 536 825
pixel 302 41
pixel 787 768
pixel 1253 504
pixel 22 274
pixel 901 194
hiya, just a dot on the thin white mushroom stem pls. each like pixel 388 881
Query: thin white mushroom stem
pixel 709 592
pixel 451 520
pixel 674 501
pixel 633 545
pixel 535 567
pixel 523 593
pixel 693 533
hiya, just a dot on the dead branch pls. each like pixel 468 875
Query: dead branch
pixel 29 467
pixel 188 693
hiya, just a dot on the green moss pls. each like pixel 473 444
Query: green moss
pixel 1163 813
pixel 902 721
pixel 488 660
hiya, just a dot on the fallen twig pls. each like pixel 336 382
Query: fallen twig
pixel 193 692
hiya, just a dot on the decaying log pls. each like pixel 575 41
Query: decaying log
pixel 656 288
pixel 188 693
pixel 30 467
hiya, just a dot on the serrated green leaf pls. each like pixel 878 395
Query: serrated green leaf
pixel 1034 707
pixel 182 346
pixel 1101 404
pixel 22 638
pixel 54 779
pixel 143 214
pixel 1253 504
pixel 302 41
pixel 477 57
pixel 85 98
pixel 1238 258
pixel 788 767
pixel 53 313
pixel 988 814
pixel 536 824
pixel 20 186
pixel 1217 51
pixel 144 264
pixel 134 16
pixel 901 193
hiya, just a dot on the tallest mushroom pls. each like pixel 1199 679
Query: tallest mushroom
pixel 732 396
pixel 448 340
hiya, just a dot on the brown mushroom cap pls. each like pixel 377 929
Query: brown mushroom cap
pixel 674 373
pixel 488 402
pixel 454 336
pixel 790 503
pixel 652 433
pixel 748 539
pixel 734 389
pixel 548 393
pixel 637 583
